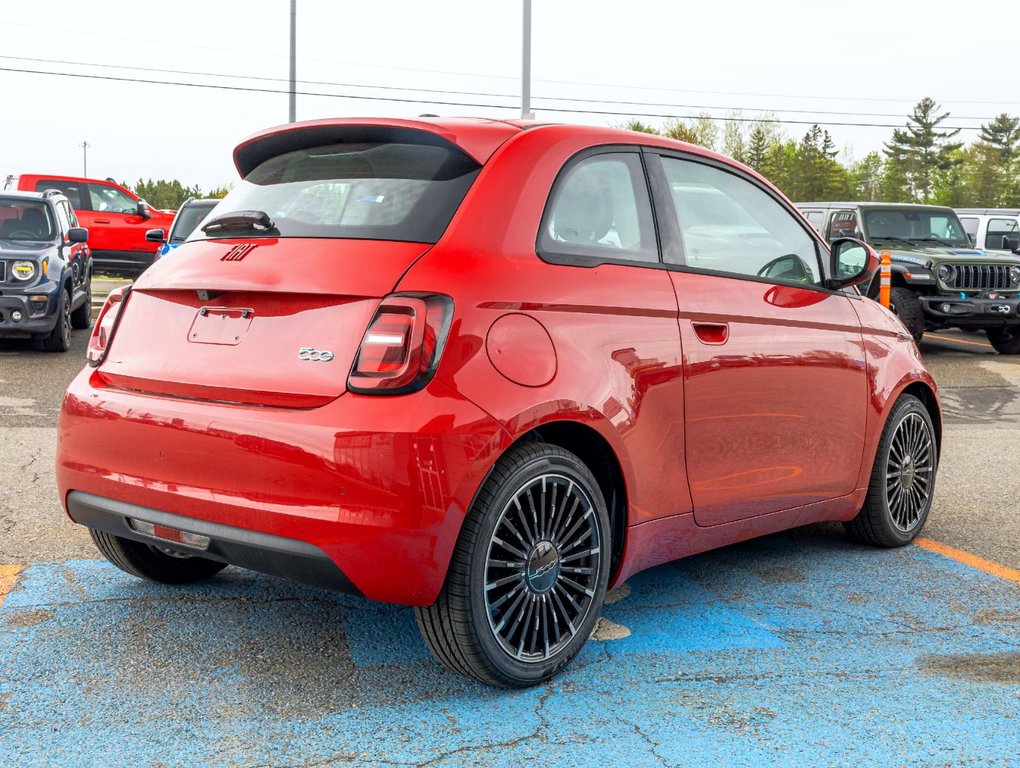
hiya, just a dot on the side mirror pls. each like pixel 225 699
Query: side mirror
pixel 1010 243
pixel 143 210
pixel 78 235
pixel 156 236
pixel 853 262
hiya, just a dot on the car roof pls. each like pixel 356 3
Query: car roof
pixel 478 137
pixel 990 211
pixel 859 204
pixel 36 196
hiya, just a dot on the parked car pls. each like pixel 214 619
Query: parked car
pixel 993 229
pixel 490 369
pixel 191 212
pixel 938 279
pixel 117 219
pixel 45 269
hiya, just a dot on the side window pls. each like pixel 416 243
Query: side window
pixel 730 225
pixel 71 217
pixel 999 229
pixel 970 226
pixel 816 219
pixel 110 200
pixel 71 190
pixel 844 224
pixel 600 208
pixel 62 220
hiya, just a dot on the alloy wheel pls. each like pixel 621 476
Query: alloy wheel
pixel 542 568
pixel 910 471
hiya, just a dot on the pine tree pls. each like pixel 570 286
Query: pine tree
pixel 920 149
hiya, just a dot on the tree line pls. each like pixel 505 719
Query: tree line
pixel 170 193
pixel 921 163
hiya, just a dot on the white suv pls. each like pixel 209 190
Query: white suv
pixel 993 229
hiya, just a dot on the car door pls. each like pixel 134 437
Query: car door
pixel 119 228
pixel 774 374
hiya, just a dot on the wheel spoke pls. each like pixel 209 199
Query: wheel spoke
pixel 542 567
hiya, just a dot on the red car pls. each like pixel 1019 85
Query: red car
pixel 116 219
pixel 489 369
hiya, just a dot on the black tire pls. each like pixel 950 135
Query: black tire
pixel 1005 340
pixel 59 339
pixel 902 480
pixel 472 626
pixel 147 562
pixel 81 318
pixel 908 309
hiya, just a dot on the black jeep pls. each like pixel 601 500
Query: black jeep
pixel 938 279
pixel 45 269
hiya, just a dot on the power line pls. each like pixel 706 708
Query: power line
pixel 484 94
pixel 448 103
pixel 627 86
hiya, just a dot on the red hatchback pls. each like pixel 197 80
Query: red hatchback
pixel 490 369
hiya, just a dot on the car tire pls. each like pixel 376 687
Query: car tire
pixel 59 339
pixel 539 514
pixel 148 562
pixel 81 318
pixel 1005 340
pixel 902 479
pixel 908 309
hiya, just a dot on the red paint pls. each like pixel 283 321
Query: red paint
pixel 733 407
pixel 520 349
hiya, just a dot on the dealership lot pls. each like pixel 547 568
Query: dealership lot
pixel 801 648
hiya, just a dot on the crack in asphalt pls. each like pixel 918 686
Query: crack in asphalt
pixel 539 733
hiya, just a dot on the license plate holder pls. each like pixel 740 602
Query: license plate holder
pixel 226 326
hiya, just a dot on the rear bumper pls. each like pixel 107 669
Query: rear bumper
pixel 289 558
pixel 378 485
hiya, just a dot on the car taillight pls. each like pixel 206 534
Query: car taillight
pixel 106 325
pixel 400 351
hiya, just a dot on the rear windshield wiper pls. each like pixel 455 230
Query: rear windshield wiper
pixel 258 221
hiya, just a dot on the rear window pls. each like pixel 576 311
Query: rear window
pixel 375 191
pixel 26 220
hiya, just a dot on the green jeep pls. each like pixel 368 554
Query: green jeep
pixel 939 280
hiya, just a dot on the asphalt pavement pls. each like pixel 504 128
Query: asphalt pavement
pixel 797 649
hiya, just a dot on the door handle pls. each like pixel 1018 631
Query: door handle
pixel 712 333
pixel 101 221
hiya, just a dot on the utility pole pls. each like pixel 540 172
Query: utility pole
pixel 85 158
pixel 293 60
pixel 526 113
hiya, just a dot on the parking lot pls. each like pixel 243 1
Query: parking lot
pixel 802 648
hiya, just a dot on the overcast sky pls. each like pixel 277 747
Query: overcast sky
pixel 874 60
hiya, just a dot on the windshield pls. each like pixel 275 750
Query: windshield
pixel 187 219
pixel 915 225
pixel 376 191
pixel 22 219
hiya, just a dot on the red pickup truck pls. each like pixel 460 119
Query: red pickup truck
pixel 116 218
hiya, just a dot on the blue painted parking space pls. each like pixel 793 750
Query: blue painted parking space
pixel 801 649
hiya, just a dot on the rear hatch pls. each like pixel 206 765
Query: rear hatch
pixel 269 299
pixel 279 327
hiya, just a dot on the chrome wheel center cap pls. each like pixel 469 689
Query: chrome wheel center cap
pixel 907 472
pixel 543 567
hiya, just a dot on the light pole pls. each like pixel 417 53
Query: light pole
pixel 85 158
pixel 526 113
pixel 293 60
